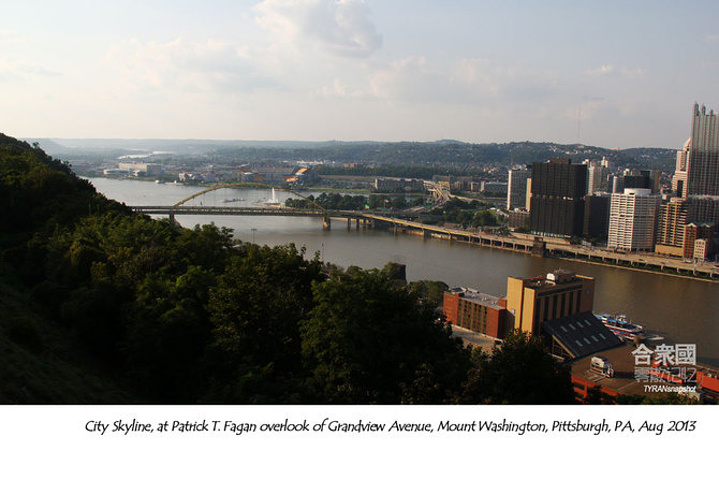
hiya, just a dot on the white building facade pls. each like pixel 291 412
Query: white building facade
pixel 632 219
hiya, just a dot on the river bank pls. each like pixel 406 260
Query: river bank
pixel 552 248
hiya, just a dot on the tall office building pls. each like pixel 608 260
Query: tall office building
pixel 632 219
pixel 558 188
pixel 596 215
pixel 696 177
pixel 597 178
pixel 679 180
pixel 703 155
pixel 517 188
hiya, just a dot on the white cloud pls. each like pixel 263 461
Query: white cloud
pixel 465 81
pixel 603 70
pixel 611 70
pixel 21 71
pixel 634 72
pixel 342 27
pixel 209 66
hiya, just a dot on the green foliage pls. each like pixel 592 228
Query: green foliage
pixel 255 309
pixel 368 340
pixel 467 215
pixel 520 371
pixel 430 291
pixel 177 315
pixel 331 201
pixel 39 193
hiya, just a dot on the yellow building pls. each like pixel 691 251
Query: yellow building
pixel 533 301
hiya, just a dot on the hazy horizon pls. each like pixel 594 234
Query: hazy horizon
pixel 214 141
pixel 611 75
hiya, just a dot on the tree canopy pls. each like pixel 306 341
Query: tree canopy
pixel 166 314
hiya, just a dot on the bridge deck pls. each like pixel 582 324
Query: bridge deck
pixel 628 259
pixel 211 210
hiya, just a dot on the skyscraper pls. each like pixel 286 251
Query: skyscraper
pixel 517 188
pixel 597 178
pixel 679 180
pixel 703 156
pixel 557 203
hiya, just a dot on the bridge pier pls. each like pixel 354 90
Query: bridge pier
pixel 326 223
pixel 349 224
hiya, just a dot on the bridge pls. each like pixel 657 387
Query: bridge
pixel 219 210
pixel 527 244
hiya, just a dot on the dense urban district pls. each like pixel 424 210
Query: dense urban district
pixel 106 305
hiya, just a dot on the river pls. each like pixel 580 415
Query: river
pixel 682 310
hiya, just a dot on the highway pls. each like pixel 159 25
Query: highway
pixel 525 243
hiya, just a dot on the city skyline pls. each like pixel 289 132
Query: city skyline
pixel 610 75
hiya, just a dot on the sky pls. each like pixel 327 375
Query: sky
pixel 613 74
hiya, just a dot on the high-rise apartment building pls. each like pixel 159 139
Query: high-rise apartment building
pixel 517 188
pixel 632 219
pixel 671 225
pixel 558 188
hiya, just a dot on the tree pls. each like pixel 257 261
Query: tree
pixel 256 309
pixel 520 371
pixel 431 291
pixel 368 340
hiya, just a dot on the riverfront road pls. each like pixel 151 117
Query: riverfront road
pixel 640 259
pixel 564 250
pixel 522 243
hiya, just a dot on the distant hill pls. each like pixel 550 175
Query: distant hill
pixel 444 152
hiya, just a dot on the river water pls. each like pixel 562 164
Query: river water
pixel 682 310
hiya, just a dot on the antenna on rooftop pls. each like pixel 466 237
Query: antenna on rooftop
pixel 579 122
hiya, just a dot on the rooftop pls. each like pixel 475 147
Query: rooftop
pixel 551 279
pixel 582 334
pixel 476 296
pixel 623 363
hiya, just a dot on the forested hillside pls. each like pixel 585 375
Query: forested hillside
pixel 100 305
